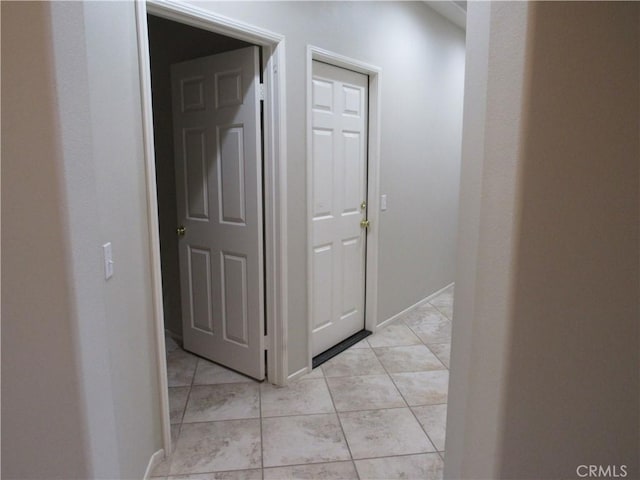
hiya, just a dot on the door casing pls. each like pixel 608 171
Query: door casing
pixel 275 174
pixel 373 187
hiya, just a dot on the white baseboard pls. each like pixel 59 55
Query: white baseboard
pixel 294 376
pixel 412 307
pixel 177 337
pixel 154 461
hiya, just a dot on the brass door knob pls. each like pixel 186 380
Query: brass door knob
pixel 364 223
pixel 181 231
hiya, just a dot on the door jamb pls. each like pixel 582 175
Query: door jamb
pixel 275 194
pixel 373 185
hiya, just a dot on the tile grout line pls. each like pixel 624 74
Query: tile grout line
pixel 432 343
pixel 186 403
pixel 436 355
pixel 400 455
pixel 399 322
pixel 425 430
pixel 335 461
pixel 184 410
pixel 209 472
pixel 314 414
pixel 235 419
pixel 344 435
pixel 411 410
pixel 446 403
pixel 261 432
pixel 261 417
pixel 223 383
pixel 444 314
pixel 444 367
pixel 447 369
pixel 422 341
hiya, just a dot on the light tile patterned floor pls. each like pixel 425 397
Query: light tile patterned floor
pixel 376 411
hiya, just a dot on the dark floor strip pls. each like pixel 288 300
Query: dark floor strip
pixel 341 347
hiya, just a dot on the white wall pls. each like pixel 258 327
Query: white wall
pixel 544 373
pixel 120 205
pixel 80 383
pixel 458 445
pixel 422 57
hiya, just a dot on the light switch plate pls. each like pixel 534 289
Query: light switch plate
pixel 383 202
pixel 108 260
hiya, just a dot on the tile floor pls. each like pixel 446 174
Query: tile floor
pixel 376 411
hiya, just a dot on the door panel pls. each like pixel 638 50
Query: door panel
pixel 322 174
pixel 197 194
pixel 322 286
pixel 234 308
pixel 231 186
pixel 200 301
pixel 339 169
pixel 219 188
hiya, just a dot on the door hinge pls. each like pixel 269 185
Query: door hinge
pixel 261 91
pixel 266 342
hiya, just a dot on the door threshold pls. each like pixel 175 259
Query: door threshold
pixel 339 348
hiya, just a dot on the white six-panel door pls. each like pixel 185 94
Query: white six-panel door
pixel 339 190
pixel 216 120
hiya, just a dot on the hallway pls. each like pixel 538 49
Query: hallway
pixel 376 411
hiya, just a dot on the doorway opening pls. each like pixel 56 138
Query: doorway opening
pixel 185 33
pixel 339 137
pixel 185 155
pixel 343 142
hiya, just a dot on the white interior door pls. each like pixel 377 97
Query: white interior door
pixel 339 191
pixel 216 122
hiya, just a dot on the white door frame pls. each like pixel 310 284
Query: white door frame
pixel 275 175
pixel 373 186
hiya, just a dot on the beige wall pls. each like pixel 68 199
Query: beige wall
pixel 422 57
pixel 41 382
pixel 573 395
pixel 79 384
pixel 544 372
